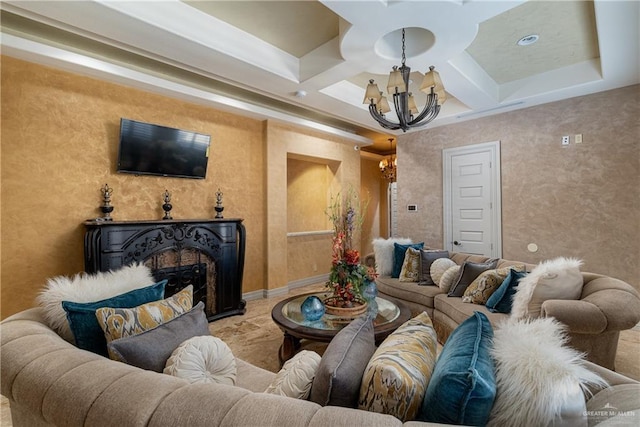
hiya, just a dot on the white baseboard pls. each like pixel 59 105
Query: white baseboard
pixel 278 292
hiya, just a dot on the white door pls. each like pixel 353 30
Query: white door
pixel 472 217
pixel 392 197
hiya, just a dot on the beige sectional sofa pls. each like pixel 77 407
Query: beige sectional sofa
pixel 48 381
pixel 606 307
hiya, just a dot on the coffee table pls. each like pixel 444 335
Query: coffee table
pixel 287 315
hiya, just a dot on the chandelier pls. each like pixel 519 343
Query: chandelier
pixel 405 105
pixel 389 165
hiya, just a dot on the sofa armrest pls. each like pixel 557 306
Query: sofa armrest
pixel 580 316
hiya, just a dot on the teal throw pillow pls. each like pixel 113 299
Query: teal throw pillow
pixel 463 385
pixel 502 299
pixel 399 251
pixel 84 324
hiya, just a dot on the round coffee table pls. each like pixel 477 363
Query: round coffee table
pixel 288 317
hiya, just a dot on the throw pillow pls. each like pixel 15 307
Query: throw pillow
pixel 427 258
pixel 296 376
pixel 397 375
pixel 410 271
pixel 151 349
pixel 203 359
pixel 559 278
pixel 383 252
pixel 123 322
pixel 337 381
pixel 462 388
pixel 399 251
pixel 502 298
pixel 84 326
pixel 468 273
pixel 85 288
pixel 449 276
pixel 486 284
pixel 438 268
pixel 533 360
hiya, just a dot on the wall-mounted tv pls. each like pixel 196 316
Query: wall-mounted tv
pixel 148 149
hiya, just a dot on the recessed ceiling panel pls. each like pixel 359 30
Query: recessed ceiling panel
pixel 567 36
pixel 297 27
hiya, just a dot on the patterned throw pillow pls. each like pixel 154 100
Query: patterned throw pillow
pixel 438 268
pixel 202 360
pixel 396 377
pixel 411 270
pixel 486 284
pixel 124 322
pixel 468 273
pixel 449 276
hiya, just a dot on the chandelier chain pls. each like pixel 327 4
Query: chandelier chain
pixel 404 57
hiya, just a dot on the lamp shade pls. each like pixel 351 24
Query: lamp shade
pixel 432 80
pixel 372 93
pixel 396 82
pixel 412 104
pixel 442 96
pixel 383 105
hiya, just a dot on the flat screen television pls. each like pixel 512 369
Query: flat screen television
pixel 148 149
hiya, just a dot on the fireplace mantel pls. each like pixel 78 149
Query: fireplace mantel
pixel 208 253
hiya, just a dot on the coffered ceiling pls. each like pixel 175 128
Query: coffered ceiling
pixel 311 60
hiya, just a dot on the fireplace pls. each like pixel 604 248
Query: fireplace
pixel 208 254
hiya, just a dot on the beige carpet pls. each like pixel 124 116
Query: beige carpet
pixel 255 338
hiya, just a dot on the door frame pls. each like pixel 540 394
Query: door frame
pixel 493 148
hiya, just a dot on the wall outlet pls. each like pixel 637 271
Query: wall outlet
pixel 578 138
pixel 412 208
pixel 565 140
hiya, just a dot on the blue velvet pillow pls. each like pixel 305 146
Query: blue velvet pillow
pixel 399 252
pixel 463 385
pixel 84 324
pixel 502 299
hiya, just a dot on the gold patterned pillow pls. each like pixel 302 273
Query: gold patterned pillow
pixel 396 377
pixel 486 284
pixel 124 322
pixel 411 270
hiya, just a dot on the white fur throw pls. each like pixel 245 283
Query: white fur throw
pixel 85 287
pixel 383 251
pixel 539 379
pixel 559 278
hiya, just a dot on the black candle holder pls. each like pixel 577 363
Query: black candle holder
pixel 106 207
pixel 219 208
pixel 167 205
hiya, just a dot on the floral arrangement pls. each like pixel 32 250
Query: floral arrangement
pixel 347 277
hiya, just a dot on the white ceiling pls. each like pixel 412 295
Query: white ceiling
pixel 254 56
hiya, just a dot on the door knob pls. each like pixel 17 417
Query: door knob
pixel 455 242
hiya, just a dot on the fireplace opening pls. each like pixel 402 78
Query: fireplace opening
pixel 179 277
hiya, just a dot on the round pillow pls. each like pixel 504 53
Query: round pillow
pixel 449 276
pixel 203 359
pixel 438 267
pixel 296 376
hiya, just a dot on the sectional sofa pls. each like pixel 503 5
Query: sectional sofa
pixel 606 307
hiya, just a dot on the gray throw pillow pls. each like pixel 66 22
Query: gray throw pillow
pixel 427 258
pixel 151 349
pixel 468 273
pixel 339 375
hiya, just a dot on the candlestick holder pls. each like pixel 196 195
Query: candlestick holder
pixel 167 205
pixel 106 207
pixel 219 208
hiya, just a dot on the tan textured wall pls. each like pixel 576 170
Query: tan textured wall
pixel 581 201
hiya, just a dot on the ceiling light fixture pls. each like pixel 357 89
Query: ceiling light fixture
pixel 528 40
pixel 389 165
pixel 403 101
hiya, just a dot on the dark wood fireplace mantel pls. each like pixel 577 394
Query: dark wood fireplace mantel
pixel 208 253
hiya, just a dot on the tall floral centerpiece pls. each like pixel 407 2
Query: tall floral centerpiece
pixel 347 277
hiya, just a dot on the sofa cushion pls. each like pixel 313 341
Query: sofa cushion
pixel 82 321
pixel 383 252
pixel 123 322
pixel 531 356
pixel 468 273
pixel 408 291
pixel 203 359
pixel 439 267
pixel 337 381
pixel 483 286
pixel 559 278
pixel 459 311
pixel 502 298
pixel 399 252
pixel 296 376
pixel 411 270
pixel 152 348
pixel 427 257
pixel 397 375
pixel 86 288
pixel 462 388
pixel 626 398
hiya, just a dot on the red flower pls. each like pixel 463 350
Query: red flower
pixel 352 257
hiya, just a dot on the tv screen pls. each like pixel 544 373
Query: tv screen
pixel 149 149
